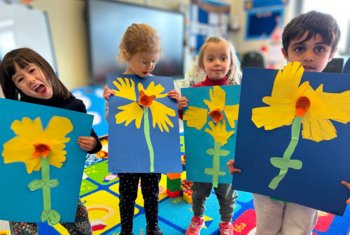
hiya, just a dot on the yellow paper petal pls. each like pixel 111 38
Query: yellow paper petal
pixel 340 100
pixel 231 112
pixel 26 127
pixel 217 99
pixel 160 114
pixel 318 129
pixel 58 128
pixel 195 117
pixel 153 89
pixel 129 113
pixel 125 88
pixel 57 156
pixel 291 99
pixel 219 132
pixel 334 106
pixel 140 87
pixel 18 150
pixel 267 116
pixel 288 80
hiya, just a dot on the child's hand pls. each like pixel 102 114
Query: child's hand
pixel 182 103
pixel 174 94
pixel 231 167
pixel 107 92
pixel 87 143
pixel 346 184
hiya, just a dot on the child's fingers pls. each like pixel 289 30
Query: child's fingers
pixel 181 106
pixel 174 94
pixel 183 102
pixel 346 184
pixel 106 95
pixel 231 167
pixel 235 170
pixel 107 92
pixel 86 142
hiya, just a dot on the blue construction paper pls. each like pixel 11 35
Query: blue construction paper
pixel 127 148
pixel 17 203
pixel 197 142
pixel 325 164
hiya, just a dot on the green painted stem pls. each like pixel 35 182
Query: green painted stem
pixel 217 152
pixel 285 163
pixel 216 164
pixel 296 126
pixel 146 130
pixel 45 174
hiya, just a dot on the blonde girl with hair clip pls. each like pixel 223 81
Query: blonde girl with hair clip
pixel 140 49
pixel 216 64
pixel 196 74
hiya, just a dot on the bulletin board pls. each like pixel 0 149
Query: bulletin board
pixel 24 26
pixel 262 22
pixel 207 18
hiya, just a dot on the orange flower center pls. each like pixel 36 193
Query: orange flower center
pixel 145 100
pixel 41 150
pixel 302 106
pixel 216 115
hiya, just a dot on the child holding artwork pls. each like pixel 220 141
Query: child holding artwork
pixel 140 48
pixel 27 76
pixel 347 185
pixel 218 65
pixel 312 40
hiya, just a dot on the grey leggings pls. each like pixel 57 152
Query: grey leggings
pixel 224 193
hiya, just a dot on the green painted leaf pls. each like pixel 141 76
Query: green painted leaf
pixel 52 183
pixel 36 184
pixel 53 218
pixel 44 215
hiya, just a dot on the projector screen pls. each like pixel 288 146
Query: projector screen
pixel 107 22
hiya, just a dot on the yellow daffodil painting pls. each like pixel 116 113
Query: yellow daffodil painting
pixel 143 123
pixel 300 106
pixel 39 149
pixel 210 127
pixel 41 163
pixel 293 136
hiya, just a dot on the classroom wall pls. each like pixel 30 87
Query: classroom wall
pixel 68 30
pixel 239 16
pixel 69 39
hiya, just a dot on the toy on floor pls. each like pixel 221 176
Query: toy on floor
pixel 173 184
pixel 186 190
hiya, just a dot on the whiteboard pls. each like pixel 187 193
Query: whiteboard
pixel 25 26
